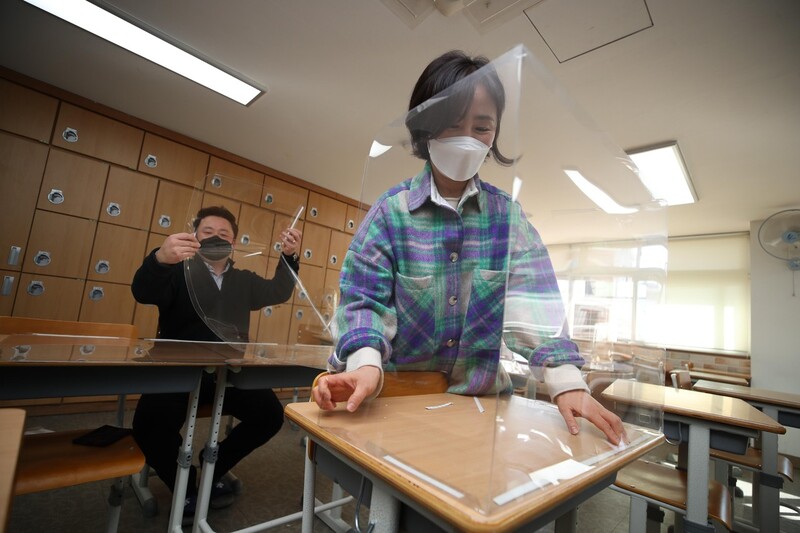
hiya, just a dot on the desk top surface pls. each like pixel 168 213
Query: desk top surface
pixel 783 399
pixel 722 378
pixel 481 471
pixel 65 350
pixel 12 424
pixel 693 404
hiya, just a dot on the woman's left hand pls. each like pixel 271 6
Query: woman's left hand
pixel 579 403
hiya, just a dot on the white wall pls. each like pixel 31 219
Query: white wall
pixel 775 329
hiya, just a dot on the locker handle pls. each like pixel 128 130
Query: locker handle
pixel 8 284
pixel 351 224
pixel 314 212
pixel 70 135
pixel 35 288
pixel 87 349
pixel 268 199
pixel 102 267
pixel 267 311
pixel 42 258
pixel 13 255
pixel 216 182
pixel 96 294
pixel 56 196
pixel 21 352
pixel 245 239
pixel 299 314
pixel 307 254
pixel 164 221
pixel 277 247
pixel 113 209
pixel 334 259
pixel 151 161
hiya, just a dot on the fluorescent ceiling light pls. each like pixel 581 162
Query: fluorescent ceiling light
pixel 377 149
pixel 597 195
pixel 663 171
pixel 114 29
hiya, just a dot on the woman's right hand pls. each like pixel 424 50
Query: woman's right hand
pixel 353 387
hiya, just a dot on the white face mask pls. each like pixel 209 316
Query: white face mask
pixel 458 158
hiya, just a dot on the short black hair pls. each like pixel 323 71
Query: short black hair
pixel 444 71
pixel 216 211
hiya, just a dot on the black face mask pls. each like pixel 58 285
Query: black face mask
pixel 215 248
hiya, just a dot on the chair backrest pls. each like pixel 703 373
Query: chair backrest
pixel 408 383
pixel 680 379
pixel 19 325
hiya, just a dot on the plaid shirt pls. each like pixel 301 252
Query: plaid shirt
pixel 426 286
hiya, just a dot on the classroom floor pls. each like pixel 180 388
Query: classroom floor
pixel 272 478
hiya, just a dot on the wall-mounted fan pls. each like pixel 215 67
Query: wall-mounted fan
pixel 779 236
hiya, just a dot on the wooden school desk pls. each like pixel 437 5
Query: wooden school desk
pixel 443 460
pixel 42 366
pixel 713 421
pixel 781 406
pixel 12 425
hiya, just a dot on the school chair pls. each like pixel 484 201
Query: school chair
pixel 50 461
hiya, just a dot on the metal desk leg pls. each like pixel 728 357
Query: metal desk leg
pixel 184 463
pixel 309 479
pixel 568 522
pixel 384 511
pixel 697 470
pixel 767 482
pixel 210 456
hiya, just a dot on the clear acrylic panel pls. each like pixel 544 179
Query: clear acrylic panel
pixel 257 248
pixel 525 290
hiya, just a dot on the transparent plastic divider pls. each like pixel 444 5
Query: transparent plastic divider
pixel 256 248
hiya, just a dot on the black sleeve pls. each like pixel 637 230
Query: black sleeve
pixel 278 289
pixel 154 283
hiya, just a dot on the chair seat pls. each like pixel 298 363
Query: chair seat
pixel 752 460
pixel 662 484
pixel 50 461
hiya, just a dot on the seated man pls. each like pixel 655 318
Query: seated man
pixel 161 281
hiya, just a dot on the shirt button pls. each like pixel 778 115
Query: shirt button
pixel 453 300
pixel 451 343
pixel 454 257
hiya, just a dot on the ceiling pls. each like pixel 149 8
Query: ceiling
pixel 722 77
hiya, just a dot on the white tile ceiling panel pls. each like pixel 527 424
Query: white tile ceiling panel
pixel 574 27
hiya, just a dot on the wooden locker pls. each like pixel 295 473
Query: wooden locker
pixel 60 245
pixel 173 161
pixel 306 328
pixel 175 208
pixel 314 250
pixel 340 241
pixel 88 133
pixel 273 324
pixel 107 302
pixel 234 181
pixel 26 112
pixel 145 318
pixel 9 281
pixel 129 198
pixel 48 297
pixel 330 292
pixel 255 230
pixel 233 206
pixel 313 280
pixel 254 263
pixel 281 223
pixel 22 164
pixel 283 197
pixel 326 211
pixel 116 254
pixel 73 185
pixel 353 218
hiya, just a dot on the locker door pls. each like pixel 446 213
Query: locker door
pixel 117 253
pixel 314 250
pixel 129 198
pixel 173 161
pixel 175 206
pixel 353 219
pixel 48 297
pixel 73 185
pixel 22 165
pixel 107 302
pixel 273 324
pixel 283 197
pixel 59 245
pixel 9 281
pixel 338 248
pixel 234 181
pixel 313 279
pixel 26 112
pixel 145 317
pixel 281 223
pixel 326 211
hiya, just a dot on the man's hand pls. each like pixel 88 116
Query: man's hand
pixel 352 387
pixel 176 248
pixel 580 403
pixel 290 240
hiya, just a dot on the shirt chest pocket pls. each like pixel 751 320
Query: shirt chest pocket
pixel 415 307
pixel 483 321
